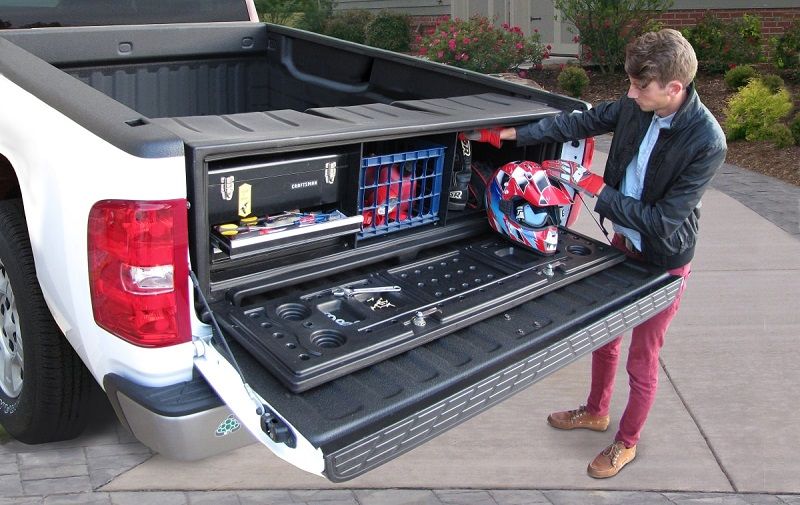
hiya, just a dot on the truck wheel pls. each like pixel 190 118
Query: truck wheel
pixel 44 386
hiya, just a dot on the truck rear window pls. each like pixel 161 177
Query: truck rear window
pixel 53 13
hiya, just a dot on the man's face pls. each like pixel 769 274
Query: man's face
pixel 663 100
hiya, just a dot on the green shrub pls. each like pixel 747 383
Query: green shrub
pixel 348 25
pixel 606 26
pixel 722 45
pixel 753 112
pixel 476 44
pixel 773 82
pixel 794 127
pixel 314 15
pixel 786 54
pixel 573 80
pixel 781 135
pixel 390 31
pixel 279 12
pixel 737 77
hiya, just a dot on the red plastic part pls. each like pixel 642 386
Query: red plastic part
pixel 124 234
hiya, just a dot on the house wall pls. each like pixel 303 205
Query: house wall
pixel 416 8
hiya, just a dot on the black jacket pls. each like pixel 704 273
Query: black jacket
pixel 681 165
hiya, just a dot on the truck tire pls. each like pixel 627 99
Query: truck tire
pixel 44 386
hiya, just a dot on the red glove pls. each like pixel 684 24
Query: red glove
pixel 489 135
pixel 574 175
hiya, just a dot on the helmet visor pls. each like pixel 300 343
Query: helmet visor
pixel 536 217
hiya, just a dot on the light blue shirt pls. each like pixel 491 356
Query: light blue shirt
pixel 633 181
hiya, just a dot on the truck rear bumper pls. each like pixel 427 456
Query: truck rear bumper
pixel 184 421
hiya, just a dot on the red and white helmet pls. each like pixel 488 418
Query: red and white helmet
pixel 525 205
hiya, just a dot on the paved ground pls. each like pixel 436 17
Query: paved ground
pixel 720 432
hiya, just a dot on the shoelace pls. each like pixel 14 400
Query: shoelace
pixel 577 413
pixel 613 451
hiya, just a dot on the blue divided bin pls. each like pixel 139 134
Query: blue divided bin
pixel 400 191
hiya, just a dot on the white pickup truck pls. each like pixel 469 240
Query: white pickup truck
pixel 244 232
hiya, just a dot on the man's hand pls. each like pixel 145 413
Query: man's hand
pixel 492 136
pixel 575 175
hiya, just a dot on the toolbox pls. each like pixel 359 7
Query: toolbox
pixel 274 184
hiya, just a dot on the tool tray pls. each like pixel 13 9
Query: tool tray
pixel 309 336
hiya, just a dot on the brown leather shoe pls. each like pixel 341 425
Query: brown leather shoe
pixel 609 462
pixel 578 418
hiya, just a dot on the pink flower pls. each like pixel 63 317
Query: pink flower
pixel 549 47
pixel 519 45
pixel 464 56
pixel 423 50
pixel 440 54
pixel 451 44
pixel 466 40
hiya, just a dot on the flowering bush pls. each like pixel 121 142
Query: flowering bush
pixel 476 44
pixel 723 45
pixel 604 27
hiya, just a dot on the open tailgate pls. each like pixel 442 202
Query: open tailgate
pixel 351 424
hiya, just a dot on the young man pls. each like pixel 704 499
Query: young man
pixel 664 153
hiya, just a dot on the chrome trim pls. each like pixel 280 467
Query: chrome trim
pixel 185 438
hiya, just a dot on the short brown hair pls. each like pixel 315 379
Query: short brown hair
pixel 661 56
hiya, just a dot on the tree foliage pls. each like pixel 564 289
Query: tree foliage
pixel 604 27
pixel 305 14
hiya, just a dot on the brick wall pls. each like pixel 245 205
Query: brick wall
pixel 774 22
pixel 421 26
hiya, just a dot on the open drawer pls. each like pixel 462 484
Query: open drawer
pixel 309 334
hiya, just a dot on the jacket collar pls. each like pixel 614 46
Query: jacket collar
pixel 688 109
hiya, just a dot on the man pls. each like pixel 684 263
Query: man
pixel 665 151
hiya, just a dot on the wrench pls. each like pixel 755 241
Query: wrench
pixel 350 292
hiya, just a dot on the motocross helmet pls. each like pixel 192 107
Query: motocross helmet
pixel 526 206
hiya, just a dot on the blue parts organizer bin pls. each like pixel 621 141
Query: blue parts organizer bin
pixel 400 191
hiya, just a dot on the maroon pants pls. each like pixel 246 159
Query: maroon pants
pixel 646 342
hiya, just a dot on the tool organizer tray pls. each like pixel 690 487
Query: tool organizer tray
pixel 308 338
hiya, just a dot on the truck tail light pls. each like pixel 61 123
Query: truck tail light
pixel 588 152
pixel 138 270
